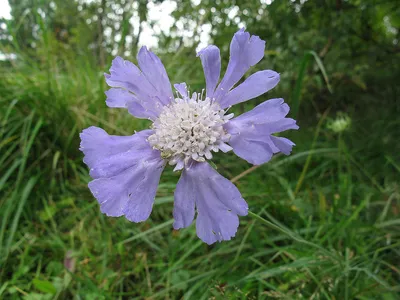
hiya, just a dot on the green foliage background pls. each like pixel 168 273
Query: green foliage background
pixel 324 222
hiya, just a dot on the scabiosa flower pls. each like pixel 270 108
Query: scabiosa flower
pixel 186 130
pixel 341 123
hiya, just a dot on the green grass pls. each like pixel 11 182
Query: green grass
pixel 324 222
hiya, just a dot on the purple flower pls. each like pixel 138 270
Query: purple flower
pixel 186 130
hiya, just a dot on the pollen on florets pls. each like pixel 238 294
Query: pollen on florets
pixel 190 128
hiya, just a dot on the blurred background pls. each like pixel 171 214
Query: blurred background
pixel 329 213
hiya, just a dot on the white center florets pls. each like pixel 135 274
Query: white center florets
pixel 190 128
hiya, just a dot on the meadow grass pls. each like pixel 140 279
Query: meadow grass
pixel 323 222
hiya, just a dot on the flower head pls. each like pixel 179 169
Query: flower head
pixel 186 130
pixel 341 123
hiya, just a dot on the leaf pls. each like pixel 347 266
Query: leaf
pixel 44 286
pixel 48 213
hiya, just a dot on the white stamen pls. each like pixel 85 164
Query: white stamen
pixel 190 128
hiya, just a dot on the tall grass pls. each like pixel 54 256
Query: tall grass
pixel 324 223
